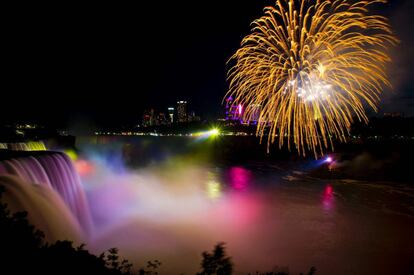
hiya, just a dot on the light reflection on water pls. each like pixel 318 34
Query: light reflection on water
pixel 213 189
pixel 173 210
pixel 328 198
pixel 239 177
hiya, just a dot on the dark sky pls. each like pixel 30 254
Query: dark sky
pixel 106 63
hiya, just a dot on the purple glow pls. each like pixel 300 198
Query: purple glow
pixel 56 174
pixel 328 159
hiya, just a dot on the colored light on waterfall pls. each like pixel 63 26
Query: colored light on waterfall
pixel 71 154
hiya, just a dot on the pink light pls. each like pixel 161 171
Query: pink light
pixel 328 190
pixel 83 167
pixel 239 178
pixel 240 109
pixel 329 159
pixel 328 198
pixel 238 211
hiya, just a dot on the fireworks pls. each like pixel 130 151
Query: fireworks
pixel 313 66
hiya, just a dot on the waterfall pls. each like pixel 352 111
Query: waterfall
pixel 24 146
pixel 46 209
pixel 52 171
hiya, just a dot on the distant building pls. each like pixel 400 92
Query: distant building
pixel 193 117
pixel 171 114
pixel 148 119
pixel 162 119
pixel 234 111
pixel 27 126
pixel 182 111
pixel 393 114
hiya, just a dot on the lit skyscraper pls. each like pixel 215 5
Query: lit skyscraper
pixel 182 111
pixel 171 114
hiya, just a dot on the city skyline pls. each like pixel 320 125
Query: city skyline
pixel 60 70
pixel 178 113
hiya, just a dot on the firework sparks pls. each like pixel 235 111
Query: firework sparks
pixel 312 65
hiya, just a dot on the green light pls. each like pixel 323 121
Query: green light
pixel 71 154
pixel 215 132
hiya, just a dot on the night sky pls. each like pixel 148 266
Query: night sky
pixel 106 63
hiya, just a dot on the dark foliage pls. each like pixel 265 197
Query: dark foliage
pixel 24 251
pixel 312 271
pixel 217 262
pixel 151 269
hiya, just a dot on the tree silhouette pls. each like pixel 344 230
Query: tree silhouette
pixel 23 250
pixel 311 271
pixel 152 267
pixel 217 262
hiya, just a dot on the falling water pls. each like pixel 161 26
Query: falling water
pixel 53 172
pixel 47 211
pixel 24 146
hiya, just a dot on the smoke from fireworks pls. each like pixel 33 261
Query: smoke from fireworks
pixel 312 66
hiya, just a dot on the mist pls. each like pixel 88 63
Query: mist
pixel 174 207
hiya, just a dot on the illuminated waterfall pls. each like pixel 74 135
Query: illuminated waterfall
pixel 46 209
pixel 24 146
pixel 55 175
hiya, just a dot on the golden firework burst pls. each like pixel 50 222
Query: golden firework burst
pixel 312 66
